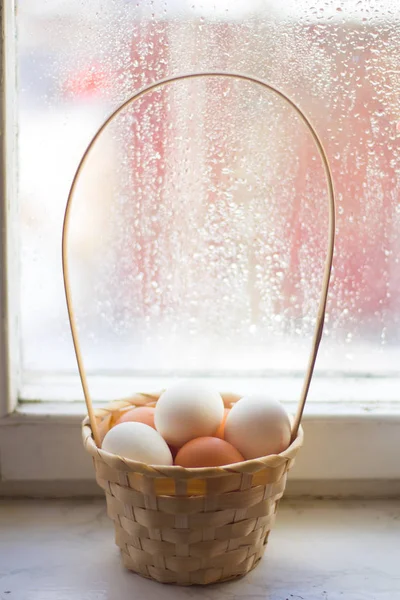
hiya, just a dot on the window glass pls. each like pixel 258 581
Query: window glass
pixel 200 223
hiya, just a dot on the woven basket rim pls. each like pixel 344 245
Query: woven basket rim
pixel 177 472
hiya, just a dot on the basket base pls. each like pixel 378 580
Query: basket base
pixel 200 577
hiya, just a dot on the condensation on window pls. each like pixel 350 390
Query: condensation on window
pixel 199 227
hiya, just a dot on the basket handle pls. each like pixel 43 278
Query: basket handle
pixel 328 262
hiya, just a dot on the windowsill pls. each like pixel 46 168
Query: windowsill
pixel 74 412
pixel 349 449
pixel 318 550
pixel 339 389
pixel 351 444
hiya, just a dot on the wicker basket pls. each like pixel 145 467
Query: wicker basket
pixel 191 526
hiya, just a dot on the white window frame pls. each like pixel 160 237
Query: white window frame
pixel 352 441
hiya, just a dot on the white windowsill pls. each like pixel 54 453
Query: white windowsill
pixel 344 454
pixel 317 550
pixel 351 425
pixel 343 389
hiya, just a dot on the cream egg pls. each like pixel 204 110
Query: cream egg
pixel 188 410
pixel 137 441
pixel 258 426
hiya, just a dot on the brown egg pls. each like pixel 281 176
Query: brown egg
pixel 220 431
pixel 207 452
pixel 142 414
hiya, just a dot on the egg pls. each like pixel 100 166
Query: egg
pixel 137 441
pixel 258 426
pixel 221 429
pixel 141 414
pixel 207 452
pixel 186 411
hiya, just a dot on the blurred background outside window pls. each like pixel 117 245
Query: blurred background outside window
pixel 199 228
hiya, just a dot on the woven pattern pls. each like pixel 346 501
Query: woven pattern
pixel 189 526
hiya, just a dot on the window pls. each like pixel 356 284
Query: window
pixel 203 217
pixel 199 227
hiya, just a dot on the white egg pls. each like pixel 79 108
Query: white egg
pixel 187 410
pixel 258 426
pixel 137 441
